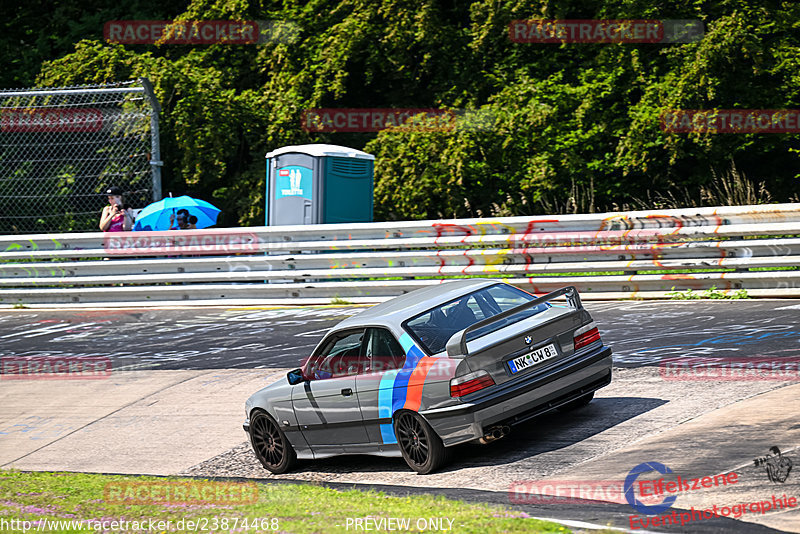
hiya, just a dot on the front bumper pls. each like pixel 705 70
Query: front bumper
pixel 514 403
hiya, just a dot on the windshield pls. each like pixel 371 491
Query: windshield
pixel 434 327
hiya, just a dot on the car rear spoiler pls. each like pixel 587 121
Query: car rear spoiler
pixel 457 344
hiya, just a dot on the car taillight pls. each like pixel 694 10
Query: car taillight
pixel 464 385
pixel 585 338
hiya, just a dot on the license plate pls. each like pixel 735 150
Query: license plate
pixel 532 358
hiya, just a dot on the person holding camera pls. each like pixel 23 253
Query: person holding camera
pixel 184 219
pixel 116 217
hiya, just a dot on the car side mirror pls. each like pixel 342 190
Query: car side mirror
pixel 295 376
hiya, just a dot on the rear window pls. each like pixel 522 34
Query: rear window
pixel 434 327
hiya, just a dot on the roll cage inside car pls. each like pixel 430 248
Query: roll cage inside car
pixel 432 328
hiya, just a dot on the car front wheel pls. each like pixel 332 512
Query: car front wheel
pixel 421 447
pixel 269 442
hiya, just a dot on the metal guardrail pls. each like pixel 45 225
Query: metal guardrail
pixel 643 254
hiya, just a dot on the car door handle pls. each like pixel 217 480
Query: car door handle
pixel 347 392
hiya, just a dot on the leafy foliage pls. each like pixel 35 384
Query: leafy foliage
pixel 710 293
pixel 573 126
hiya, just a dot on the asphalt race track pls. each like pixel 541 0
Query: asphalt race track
pixel 177 371
pixel 641 333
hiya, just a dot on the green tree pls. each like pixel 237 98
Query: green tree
pixel 567 120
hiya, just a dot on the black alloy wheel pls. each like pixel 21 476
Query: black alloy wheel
pixel 421 447
pixel 270 444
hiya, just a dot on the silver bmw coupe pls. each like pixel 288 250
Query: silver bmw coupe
pixel 451 363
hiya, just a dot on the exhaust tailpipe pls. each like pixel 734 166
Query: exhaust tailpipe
pixel 494 433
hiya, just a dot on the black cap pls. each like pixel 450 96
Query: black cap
pixel 116 191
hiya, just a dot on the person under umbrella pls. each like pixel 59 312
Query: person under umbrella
pixel 186 221
pixel 181 213
pixel 178 221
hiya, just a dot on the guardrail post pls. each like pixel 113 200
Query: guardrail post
pixel 155 145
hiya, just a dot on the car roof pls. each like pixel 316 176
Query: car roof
pixel 393 312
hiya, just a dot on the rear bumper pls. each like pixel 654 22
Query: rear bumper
pixel 521 401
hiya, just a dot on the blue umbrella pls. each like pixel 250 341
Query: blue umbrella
pixel 155 216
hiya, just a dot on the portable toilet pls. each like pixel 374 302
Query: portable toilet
pixel 318 183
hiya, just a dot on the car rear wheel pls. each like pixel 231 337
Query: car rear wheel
pixel 269 442
pixel 421 447
pixel 580 402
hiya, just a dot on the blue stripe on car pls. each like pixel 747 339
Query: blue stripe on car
pixel 393 387
pixel 385 389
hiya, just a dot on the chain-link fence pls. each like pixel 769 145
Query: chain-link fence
pixel 61 148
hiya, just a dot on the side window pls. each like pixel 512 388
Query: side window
pixel 341 356
pixel 384 353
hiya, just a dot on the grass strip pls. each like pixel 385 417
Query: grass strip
pixel 156 504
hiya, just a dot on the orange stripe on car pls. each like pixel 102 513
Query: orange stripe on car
pixel 416 381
